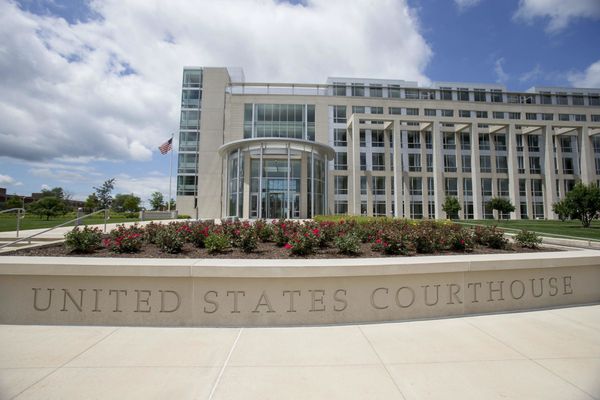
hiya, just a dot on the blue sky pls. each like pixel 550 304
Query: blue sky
pixel 88 91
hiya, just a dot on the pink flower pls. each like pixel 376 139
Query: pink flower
pixel 378 241
pixel 288 246
pixel 462 241
pixel 315 231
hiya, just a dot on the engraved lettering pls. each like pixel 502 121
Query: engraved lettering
pixel 512 289
pixel 35 302
pixel 552 282
pixel 568 289
pixel 145 300
pixel 412 297
pixel 497 290
pixel 314 300
pixel 475 286
pixel 117 292
pixel 96 299
pixel 67 294
pixel 453 294
pixel 265 302
pixel 373 303
pixel 235 299
pixel 292 293
pixel 215 304
pixel 437 295
pixel 163 302
pixel 541 292
pixel 342 300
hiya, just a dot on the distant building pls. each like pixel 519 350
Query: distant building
pixel 379 147
pixel 33 197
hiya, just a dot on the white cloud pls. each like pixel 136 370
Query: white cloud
pixel 501 75
pixel 7 180
pixel 590 78
pixel 109 88
pixel 464 4
pixel 560 12
pixel 143 187
pixel 531 75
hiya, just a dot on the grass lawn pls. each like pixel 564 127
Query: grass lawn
pixel 548 228
pixel 8 221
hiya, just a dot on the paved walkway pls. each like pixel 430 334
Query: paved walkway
pixel 551 354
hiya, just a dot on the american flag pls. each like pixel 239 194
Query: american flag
pixel 166 146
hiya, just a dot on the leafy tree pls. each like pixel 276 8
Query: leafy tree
pixel 172 204
pixel 157 200
pixel 561 209
pixel 502 205
pixel 57 192
pixel 451 207
pixel 48 206
pixel 126 203
pixel 13 202
pixel 583 203
pixel 92 202
pixel 103 193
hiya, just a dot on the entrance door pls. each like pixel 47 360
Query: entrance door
pixel 275 205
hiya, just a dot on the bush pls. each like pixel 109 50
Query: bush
pixel 490 236
pixel 263 230
pixel 395 240
pixel 84 240
pixel 245 238
pixel 216 243
pixel 169 240
pixel 127 243
pixel 199 231
pixel 528 239
pixel 348 244
pixel 304 241
pixel 150 232
pixel 183 216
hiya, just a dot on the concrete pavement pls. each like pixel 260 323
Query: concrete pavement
pixel 550 354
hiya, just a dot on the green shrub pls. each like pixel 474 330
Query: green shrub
pixel 199 231
pixel 150 231
pixel 216 242
pixel 528 239
pixel 84 240
pixel 263 230
pixel 348 244
pixel 183 216
pixel 395 240
pixel 490 236
pixel 245 238
pixel 304 241
pixel 169 240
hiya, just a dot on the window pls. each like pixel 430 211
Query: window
pixel 500 142
pixel 465 141
pixel 565 144
pixel 394 91
pixel 190 119
pixel 430 113
pixel 378 208
pixel 519 142
pixel 579 117
pixel 186 185
pixel 451 186
pixel 503 187
pixel 481 114
pixel 427 94
pixel 485 164
pixel 577 99
pixel 358 109
pixel 546 98
pixel 340 161
pixel 416 186
pixel 567 165
pixel 428 140
pixel 595 118
pixel 520 165
pixel 447 113
pixel 533 143
pixel 340 206
pixel 522 187
pixel 501 164
pixel 466 163
pixel 536 188
pixel 464 113
pixel 363 138
pixel 416 209
pixel 484 141
pixel 378 160
pixel 594 99
pixel 563 117
pixel 412 111
pixel 531 116
pixel 429 159
pixel 191 98
pixel 358 90
pixel 449 139
pixel 515 115
pixel 547 117
pixel 412 94
pixel 363 185
pixel 339 89
pixel 376 110
pixel 446 93
pixel 414 140
pixel 497 115
pixel 561 98
pixel 534 165
pixel 192 78
pixel 363 161
pixel 375 90
pixel 188 141
pixel 378 185
pixel 463 94
pixel 339 114
pixel 486 186
pixel 395 110
pixel 377 139
pixel 341 185
pixel 340 137
pixel 467 187
pixel 479 94
pixel 496 95
pixel 449 163
pixel 430 186
pixel 414 162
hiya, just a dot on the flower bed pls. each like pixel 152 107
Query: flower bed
pixel 378 237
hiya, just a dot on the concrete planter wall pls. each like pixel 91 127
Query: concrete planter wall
pixel 183 292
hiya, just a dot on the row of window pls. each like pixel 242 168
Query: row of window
pixel 464 94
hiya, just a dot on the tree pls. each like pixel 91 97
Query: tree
pixel 583 203
pixel 156 200
pixel 13 202
pixel 451 207
pixel 172 204
pixel 502 205
pixel 92 202
pixel 103 193
pixel 126 203
pixel 57 192
pixel 48 206
pixel 561 208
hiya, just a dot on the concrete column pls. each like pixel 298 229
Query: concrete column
pixel 423 175
pixel 304 160
pixel 549 174
pixel 246 192
pixel 513 180
pixel 405 178
pixel 588 166
pixel 475 174
pixel 354 160
pixel 397 170
pixel 438 169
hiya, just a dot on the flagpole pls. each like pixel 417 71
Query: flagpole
pixel 170 172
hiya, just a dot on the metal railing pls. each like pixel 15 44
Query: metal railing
pixel 77 221
pixel 20 215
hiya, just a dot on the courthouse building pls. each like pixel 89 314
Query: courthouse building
pixel 379 147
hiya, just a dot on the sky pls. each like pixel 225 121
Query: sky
pixel 90 89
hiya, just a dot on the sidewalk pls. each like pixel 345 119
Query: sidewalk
pixel 551 354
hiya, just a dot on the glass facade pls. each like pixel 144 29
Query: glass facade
pixel 295 121
pixel 189 132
